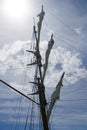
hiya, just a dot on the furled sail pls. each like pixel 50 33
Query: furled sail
pixel 39 24
pixel 55 96
pixel 50 45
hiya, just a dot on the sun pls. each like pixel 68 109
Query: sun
pixel 16 10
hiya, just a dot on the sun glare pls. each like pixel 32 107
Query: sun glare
pixel 16 9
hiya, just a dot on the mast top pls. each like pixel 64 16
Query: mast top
pixel 42 9
pixel 42 12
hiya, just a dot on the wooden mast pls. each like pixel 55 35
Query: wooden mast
pixel 41 87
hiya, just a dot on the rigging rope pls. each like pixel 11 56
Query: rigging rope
pixel 26 123
pixel 66 25
pixel 34 89
pixel 19 92
pixel 20 101
pixel 62 38
pixel 15 112
pixel 18 114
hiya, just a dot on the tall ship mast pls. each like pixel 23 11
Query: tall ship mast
pixel 38 90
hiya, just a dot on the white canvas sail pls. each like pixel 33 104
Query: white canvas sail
pixel 55 96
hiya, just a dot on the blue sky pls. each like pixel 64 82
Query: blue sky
pixel 67 20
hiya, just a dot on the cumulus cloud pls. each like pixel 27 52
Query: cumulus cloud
pixel 14 59
pixel 12 56
pixel 62 60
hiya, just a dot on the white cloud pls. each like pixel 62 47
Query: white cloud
pixel 78 31
pixel 70 63
pixel 13 57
